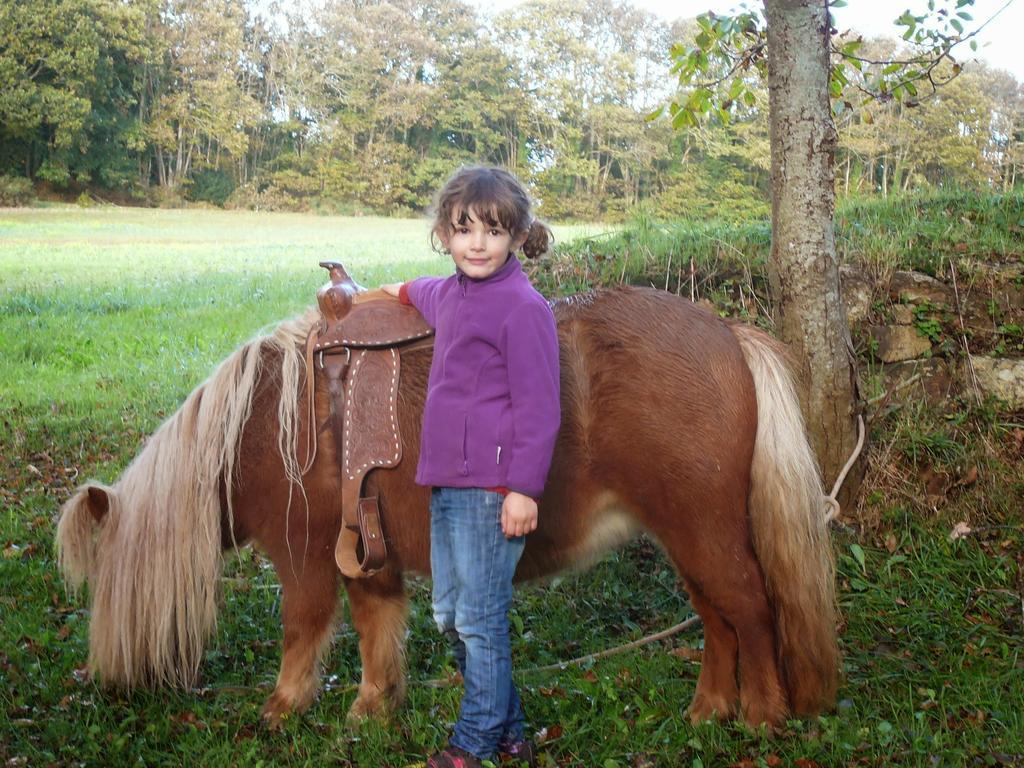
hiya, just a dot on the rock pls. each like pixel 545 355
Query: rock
pixel 857 292
pixel 903 314
pixel 917 288
pixel 899 342
pixel 935 384
pixel 1000 377
pixel 993 293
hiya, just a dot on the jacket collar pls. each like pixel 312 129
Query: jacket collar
pixel 509 269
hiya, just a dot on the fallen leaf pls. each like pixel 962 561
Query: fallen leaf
pixel 805 762
pixel 960 531
pixel 935 485
pixel 686 653
pixel 190 718
pixel 773 761
pixel 550 733
pixel 970 478
pixel 552 693
pixel 891 543
pixel 1018 439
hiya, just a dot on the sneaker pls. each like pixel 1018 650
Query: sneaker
pixel 522 752
pixel 453 757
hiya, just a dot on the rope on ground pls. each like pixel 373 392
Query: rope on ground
pixel 832 508
pixel 558 666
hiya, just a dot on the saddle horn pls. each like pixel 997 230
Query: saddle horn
pixel 335 298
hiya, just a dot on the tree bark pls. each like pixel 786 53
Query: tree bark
pixel 803 269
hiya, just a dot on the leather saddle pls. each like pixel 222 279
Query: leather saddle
pixel 356 345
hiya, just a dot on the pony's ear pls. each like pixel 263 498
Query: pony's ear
pixel 98 502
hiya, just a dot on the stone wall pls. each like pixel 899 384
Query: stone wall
pixel 963 334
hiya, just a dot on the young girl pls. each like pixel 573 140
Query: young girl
pixel 489 427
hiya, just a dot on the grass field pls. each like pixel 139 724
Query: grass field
pixel 109 317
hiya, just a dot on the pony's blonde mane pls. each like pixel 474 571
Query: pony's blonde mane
pixel 153 566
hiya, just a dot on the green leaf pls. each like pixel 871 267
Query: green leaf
pixel 683 118
pixel 957 25
pixel 651 116
pixel 858 555
pixel 851 47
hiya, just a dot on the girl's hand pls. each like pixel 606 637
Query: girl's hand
pixel 518 515
pixel 391 289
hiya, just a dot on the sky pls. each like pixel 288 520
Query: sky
pixel 999 43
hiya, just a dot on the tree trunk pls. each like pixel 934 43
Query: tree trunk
pixel 803 270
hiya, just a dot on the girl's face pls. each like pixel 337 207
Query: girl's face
pixel 479 249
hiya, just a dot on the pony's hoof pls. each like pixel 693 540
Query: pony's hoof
pixel 706 708
pixel 365 709
pixel 274 713
pixel 767 718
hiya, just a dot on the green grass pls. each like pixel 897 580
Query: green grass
pixel 920 232
pixel 108 318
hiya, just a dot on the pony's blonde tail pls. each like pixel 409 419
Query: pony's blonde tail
pixel 790 532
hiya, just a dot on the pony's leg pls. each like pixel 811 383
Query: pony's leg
pixel 738 594
pixel 309 604
pixel 379 606
pixel 718 559
pixel 717 692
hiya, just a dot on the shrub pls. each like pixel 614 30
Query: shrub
pixel 165 197
pixel 16 191
pixel 272 198
pixel 211 185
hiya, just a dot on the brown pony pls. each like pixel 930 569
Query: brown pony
pixel 675 422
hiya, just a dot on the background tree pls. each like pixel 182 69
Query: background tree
pixel 67 76
pixel 368 105
pixel 791 45
pixel 803 269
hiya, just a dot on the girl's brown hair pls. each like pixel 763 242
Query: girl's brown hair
pixel 499 197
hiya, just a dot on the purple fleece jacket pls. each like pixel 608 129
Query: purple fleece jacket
pixel 492 410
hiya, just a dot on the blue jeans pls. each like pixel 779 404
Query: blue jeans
pixel 472 564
